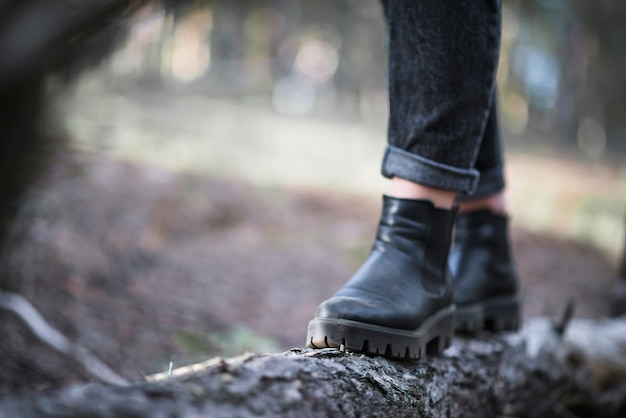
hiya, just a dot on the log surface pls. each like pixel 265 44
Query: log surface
pixel 536 373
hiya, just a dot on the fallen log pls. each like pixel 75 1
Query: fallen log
pixel 539 372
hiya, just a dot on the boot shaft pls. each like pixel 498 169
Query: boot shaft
pixel 418 228
pixel 481 259
pixel 485 228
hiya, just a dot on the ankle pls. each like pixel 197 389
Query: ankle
pixel 495 203
pixel 405 189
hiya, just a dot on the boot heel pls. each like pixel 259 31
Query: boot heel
pixel 445 334
pixel 498 314
pixel 469 319
pixel 502 314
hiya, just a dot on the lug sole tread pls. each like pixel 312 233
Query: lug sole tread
pixel 434 336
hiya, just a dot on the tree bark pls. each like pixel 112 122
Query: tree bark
pixel 536 373
pixel 618 292
pixel 621 270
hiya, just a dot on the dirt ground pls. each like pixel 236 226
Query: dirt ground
pixel 147 267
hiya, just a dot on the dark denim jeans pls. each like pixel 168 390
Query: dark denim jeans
pixel 443 129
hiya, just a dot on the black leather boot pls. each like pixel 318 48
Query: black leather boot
pixel 485 281
pixel 399 303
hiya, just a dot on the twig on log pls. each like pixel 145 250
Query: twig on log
pixel 566 317
pixel 21 307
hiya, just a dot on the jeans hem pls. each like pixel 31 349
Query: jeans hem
pixel 491 182
pixel 412 167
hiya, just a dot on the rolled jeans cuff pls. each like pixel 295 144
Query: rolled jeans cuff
pixel 412 167
pixel 491 182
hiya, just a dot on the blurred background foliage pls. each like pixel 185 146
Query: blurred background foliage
pixel 244 87
pixel 561 75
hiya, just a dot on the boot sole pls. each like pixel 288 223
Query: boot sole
pixel 497 315
pixel 431 338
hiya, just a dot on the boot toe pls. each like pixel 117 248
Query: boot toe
pixel 348 307
pixel 368 308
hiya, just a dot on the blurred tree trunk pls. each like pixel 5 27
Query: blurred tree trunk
pixel 621 272
pixel 618 292
pixel 602 95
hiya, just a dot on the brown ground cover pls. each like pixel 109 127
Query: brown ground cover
pixel 145 266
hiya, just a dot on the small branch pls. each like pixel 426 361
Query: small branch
pixel 18 305
pixel 566 317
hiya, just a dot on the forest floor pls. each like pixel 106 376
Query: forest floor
pixel 185 227
pixel 147 266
